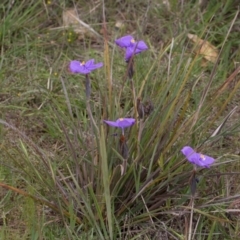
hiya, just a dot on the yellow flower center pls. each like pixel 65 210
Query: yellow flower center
pixel 133 40
pixel 82 63
pixel 202 157
pixel 120 119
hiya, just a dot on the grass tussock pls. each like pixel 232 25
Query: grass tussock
pixel 65 174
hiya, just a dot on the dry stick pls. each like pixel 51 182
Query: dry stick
pixel 106 57
pixel 226 83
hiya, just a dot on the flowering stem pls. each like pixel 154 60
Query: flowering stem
pixel 193 182
pixel 124 152
pixel 130 69
pixel 123 131
pixel 88 87
pixel 134 99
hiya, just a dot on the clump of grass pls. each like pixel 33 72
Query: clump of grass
pixel 73 167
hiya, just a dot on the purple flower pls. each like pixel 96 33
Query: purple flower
pixel 197 158
pixel 121 122
pixel 84 67
pixel 132 47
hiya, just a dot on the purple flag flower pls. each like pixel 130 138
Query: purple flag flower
pixel 197 158
pixel 121 122
pixel 84 67
pixel 132 47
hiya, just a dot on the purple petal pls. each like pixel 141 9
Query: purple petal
pixel 95 66
pixel 85 71
pixel 190 154
pixel 111 123
pixel 121 122
pixel 141 45
pixel 125 41
pixel 204 160
pixel 89 63
pixel 125 122
pixel 128 53
pixel 75 66
pixel 84 68
pixel 91 66
pixel 78 67
pixel 135 48
pixel 187 151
